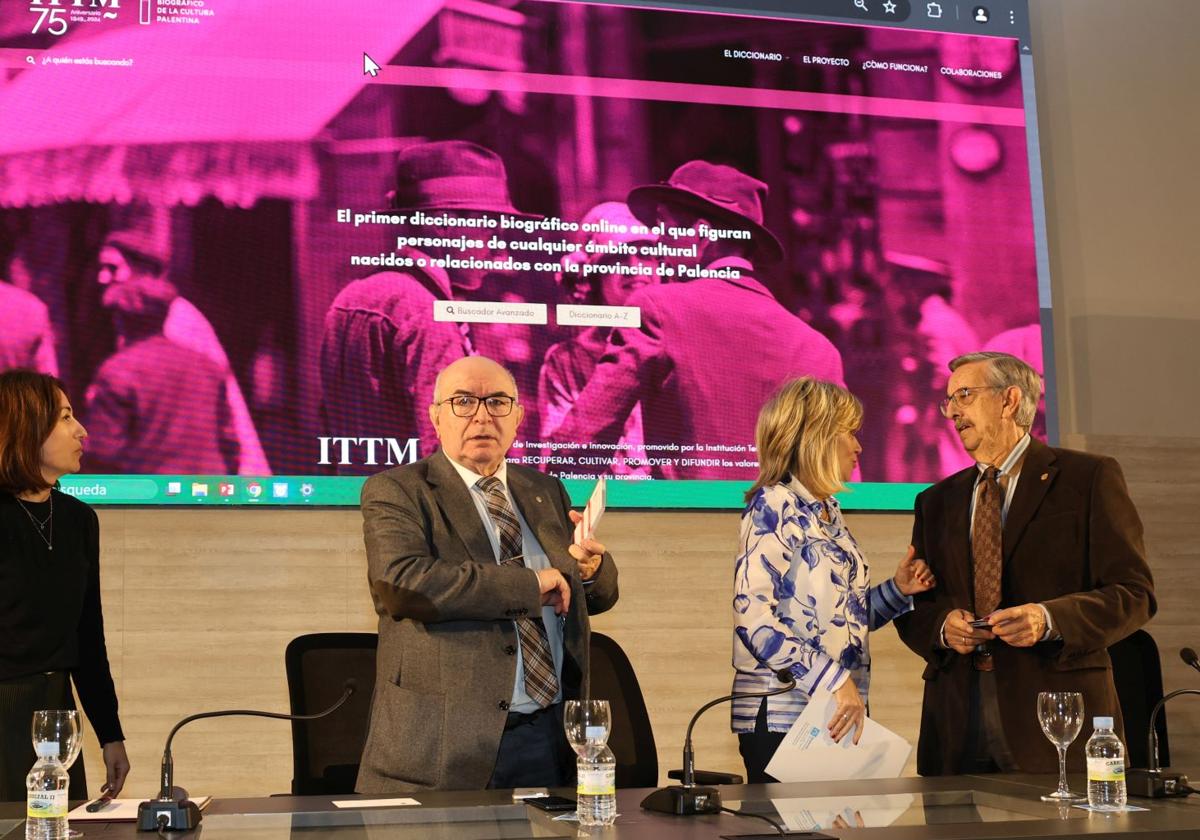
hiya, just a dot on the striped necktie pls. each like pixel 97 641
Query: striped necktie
pixel 986 555
pixel 541 681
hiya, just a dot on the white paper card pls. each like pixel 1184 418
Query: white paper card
pixel 592 511
pixel 120 810
pixel 374 803
pixel 808 754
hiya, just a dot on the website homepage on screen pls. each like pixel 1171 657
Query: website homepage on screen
pixel 247 234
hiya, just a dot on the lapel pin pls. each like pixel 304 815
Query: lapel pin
pixel 539 498
pixel 1045 476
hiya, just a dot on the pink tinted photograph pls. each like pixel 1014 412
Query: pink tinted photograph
pixel 769 198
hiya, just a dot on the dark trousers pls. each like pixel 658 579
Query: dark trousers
pixel 758 747
pixel 20 697
pixel 986 750
pixel 534 751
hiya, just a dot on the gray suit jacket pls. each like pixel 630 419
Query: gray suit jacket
pixel 447 642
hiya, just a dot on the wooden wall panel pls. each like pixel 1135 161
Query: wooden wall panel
pixel 200 604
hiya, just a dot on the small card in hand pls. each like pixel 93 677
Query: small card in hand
pixel 585 528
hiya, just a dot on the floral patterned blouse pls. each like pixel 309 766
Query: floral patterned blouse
pixel 802 600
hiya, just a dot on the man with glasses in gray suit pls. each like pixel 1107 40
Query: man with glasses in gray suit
pixel 483 600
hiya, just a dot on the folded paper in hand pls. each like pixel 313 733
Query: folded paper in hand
pixel 808 754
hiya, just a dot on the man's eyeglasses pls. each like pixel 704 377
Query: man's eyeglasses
pixel 963 397
pixel 466 405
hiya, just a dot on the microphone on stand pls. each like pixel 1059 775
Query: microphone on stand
pixel 171 809
pixel 687 798
pixel 1189 657
pixel 1153 783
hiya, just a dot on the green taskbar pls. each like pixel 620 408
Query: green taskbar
pixel 342 491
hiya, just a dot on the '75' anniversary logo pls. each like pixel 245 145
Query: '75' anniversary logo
pixel 54 16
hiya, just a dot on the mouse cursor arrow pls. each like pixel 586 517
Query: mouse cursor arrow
pixel 369 66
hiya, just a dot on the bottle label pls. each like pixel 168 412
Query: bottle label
pixel 597 783
pixel 47 804
pixel 46 749
pixel 1106 769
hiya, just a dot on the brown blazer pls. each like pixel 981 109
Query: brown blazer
pixel 447 643
pixel 1072 541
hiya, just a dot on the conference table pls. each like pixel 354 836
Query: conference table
pixel 943 808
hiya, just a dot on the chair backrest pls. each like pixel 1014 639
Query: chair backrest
pixel 632 739
pixel 1137 671
pixel 326 752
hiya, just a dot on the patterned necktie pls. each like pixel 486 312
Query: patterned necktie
pixel 541 681
pixel 986 554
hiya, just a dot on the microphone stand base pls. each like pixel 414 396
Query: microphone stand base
pixel 1155 784
pixel 182 815
pixel 683 800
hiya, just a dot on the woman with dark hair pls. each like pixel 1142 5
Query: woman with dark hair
pixel 51 625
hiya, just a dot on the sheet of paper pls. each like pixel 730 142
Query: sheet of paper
pixel 592 511
pixel 808 754
pixel 374 803
pixel 120 810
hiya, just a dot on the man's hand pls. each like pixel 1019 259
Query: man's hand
pixel 1021 626
pixel 589 553
pixel 960 636
pixel 913 575
pixel 116 766
pixel 555 590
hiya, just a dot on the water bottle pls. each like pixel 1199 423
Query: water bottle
pixel 1105 767
pixel 596 792
pixel 47 783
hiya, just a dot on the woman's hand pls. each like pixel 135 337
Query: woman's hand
pixel 913 576
pixel 116 767
pixel 849 714
pixel 840 821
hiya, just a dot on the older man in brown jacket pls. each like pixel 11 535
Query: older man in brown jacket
pixel 1046 546
pixel 483 599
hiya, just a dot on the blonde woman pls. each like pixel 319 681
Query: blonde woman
pixel 803 598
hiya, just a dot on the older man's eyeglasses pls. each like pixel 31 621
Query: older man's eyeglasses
pixel 963 397
pixel 466 405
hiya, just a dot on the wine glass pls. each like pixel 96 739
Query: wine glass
pixel 58 733
pixel 587 724
pixel 1061 715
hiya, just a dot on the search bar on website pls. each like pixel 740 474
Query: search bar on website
pixel 877 10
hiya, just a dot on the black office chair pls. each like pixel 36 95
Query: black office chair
pixel 632 738
pixel 1137 671
pixel 326 752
